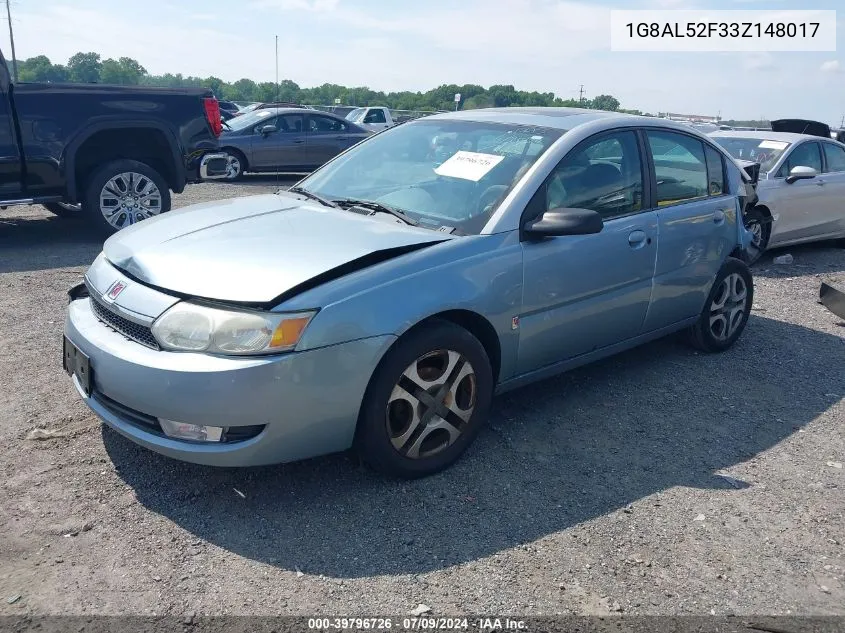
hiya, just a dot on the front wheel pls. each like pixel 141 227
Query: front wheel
pixel 760 227
pixel 727 309
pixel 426 402
pixel 235 165
pixel 125 192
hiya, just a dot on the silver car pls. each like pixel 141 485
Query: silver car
pixel 385 299
pixel 285 139
pixel 801 186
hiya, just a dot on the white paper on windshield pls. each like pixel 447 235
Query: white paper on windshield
pixel 468 165
pixel 772 145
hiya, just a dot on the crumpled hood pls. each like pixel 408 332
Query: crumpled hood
pixel 256 248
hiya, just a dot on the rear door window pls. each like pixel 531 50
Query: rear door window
pixel 680 167
pixel 835 157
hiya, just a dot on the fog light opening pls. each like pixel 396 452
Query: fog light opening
pixel 193 432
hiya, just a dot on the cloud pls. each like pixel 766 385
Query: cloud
pixel 758 61
pixel 300 5
pixel 831 66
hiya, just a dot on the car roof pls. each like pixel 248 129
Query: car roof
pixel 765 135
pixel 298 111
pixel 564 119
pixel 556 118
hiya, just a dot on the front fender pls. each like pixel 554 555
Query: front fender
pixel 479 274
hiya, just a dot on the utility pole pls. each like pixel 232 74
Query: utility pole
pixel 580 94
pixel 12 40
pixel 277 66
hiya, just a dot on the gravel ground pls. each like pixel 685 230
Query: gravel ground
pixel 596 492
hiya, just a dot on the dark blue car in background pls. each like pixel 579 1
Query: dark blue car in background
pixel 285 139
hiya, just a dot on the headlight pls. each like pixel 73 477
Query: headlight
pixel 194 328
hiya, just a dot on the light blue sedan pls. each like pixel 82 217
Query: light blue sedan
pixel 381 302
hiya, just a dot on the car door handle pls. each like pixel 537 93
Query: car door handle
pixel 719 216
pixel 638 239
pixel 819 182
pixel 298 141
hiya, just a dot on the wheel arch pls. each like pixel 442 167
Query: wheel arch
pixel 474 323
pixel 169 163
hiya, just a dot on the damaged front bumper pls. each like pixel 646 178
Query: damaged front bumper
pixel 832 299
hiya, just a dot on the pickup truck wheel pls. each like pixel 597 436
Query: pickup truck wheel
pixel 125 192
pixel 63 209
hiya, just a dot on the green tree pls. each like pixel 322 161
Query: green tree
pixel 125 71
pixel 84 67
pixel 40 69
pixel 605 102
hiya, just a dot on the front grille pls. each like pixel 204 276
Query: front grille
pixel 138 333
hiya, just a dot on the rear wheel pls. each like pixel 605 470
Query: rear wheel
pixel 727 309
pixel 123 193
pixel 426 402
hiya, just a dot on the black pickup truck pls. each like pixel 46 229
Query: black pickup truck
pixel 111 153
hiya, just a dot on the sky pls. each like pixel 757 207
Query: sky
pixel 545 45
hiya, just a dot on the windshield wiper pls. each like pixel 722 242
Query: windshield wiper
pixel 308 194
pixel 377 207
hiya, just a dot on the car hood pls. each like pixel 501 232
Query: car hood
pixel 255 249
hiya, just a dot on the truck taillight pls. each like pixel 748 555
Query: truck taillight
pixel 212 114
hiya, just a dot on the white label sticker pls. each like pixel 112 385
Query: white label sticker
pixel 468 165
pixel 772 145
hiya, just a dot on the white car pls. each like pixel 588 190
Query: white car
pixel 801 188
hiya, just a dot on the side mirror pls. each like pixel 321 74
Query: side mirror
pixel 800 172
pixel 267 129
pixel 567 221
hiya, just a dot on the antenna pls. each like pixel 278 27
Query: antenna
pixel 580 93
pixel 12 40
pixel 277 65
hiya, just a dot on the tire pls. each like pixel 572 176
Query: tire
pixel 399 433
pixel 135 177
pixel 760 224
pixel 725 314
pixel 235 165
pixel 63 209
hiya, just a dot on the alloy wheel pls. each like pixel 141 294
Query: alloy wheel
pixel 129 197
pixel 431 404
pixel 728 307
pixel 233 167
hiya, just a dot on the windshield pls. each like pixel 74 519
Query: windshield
pixel 355 114
pixel 763 151
pixel 439 172
pixel 250 118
